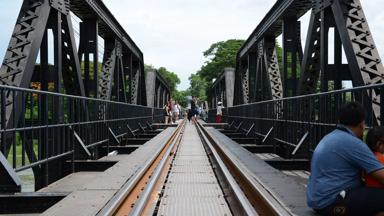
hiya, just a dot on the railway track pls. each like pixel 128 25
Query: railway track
pixel 193 175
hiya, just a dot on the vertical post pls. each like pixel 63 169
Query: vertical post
pixel 338 60
pixel 230 86
pixel 291 46
pixel 324 29
pixel 89 45
pixel 150 84
pixel 253 73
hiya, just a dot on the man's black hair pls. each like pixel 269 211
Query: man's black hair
pixel 351 114
pixel 373 136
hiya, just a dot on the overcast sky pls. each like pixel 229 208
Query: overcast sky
pixel 174 33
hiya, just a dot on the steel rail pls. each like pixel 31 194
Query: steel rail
pixel 118 199
pixel 259 195
pixel 245 205
pixel 145 195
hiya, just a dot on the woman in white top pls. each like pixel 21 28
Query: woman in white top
pixel 175 112
pixel 219 112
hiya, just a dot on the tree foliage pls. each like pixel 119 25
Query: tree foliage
pixel 170 78
pixel 181 97
pixel 198 87
pixel 219 56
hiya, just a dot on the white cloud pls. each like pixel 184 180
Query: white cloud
pixel 174 33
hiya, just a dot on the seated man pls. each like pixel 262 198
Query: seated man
pixel 335 184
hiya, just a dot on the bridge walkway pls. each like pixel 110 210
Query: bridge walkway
pixel 192 187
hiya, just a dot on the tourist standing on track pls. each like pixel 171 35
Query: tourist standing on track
pixel 177 111
pixel 166 110
pixel 219 112
pixel 194 111
pixel 189 112
pixel 335 185
pixel 173 110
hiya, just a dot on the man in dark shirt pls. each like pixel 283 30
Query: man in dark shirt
pixel 335 185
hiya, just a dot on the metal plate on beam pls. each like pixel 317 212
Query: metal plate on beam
pixel 72 182
pixel 61 5
pixel 81 203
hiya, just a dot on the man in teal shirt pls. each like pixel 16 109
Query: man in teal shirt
pixel 335 185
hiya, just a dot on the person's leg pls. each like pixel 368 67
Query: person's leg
pixel 365 201
pixel 359 201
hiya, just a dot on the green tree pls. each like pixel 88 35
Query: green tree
pixel 198 87
pixel 148 67
pixel 171 78
pixel 219 56
pixel 181 97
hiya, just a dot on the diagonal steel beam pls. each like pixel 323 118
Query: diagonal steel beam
pixel 82 8
pixel 272 21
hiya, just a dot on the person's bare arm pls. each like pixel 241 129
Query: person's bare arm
pixel 379 175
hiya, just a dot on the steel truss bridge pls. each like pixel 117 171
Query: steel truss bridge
pixel 89 131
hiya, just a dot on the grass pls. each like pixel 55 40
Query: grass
pixel 27 178
pixel 19 155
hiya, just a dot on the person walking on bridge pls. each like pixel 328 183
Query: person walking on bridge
pixel 335 185
pixel 167 112
pixel 194 110
pixel 219 112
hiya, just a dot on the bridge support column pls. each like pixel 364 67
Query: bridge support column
pixel 230 85
pixel 150 80
pixel 292 55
